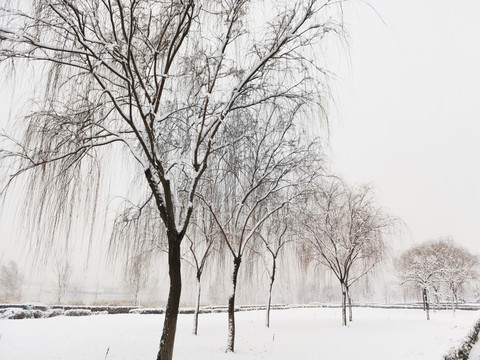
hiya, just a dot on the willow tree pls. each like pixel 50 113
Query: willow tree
pixel 275 233
pixel 200 248
pixel 345 230
pixel 157 79
pixel 269 162
pixel 136 276
pixel 458 266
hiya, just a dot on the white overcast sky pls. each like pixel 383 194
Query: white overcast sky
pixel 407 114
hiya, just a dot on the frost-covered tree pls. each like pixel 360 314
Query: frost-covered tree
pixel 151 83
pixel 345 231
pixel 438 267
pixel 420 265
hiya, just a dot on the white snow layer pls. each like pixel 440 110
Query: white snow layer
pixel 294 334
pixel 475 353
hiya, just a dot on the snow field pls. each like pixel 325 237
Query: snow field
pixel 394 334
pixel 475 353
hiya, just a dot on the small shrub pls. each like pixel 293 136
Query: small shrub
pixel 54 312
pixel 78 312
pixel 16 313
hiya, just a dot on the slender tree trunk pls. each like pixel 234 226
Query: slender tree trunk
pixel 454 300
pixel 350 316
pixel 344 305
pixel 231 306
pixel 171 313
pixel 272 279
pixel 197 307
pixel 426 304
pixel 423 300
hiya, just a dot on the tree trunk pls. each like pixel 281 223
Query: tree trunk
pixel 231 306
pixel 197 307
pixel 426 304
pixel 454 300
pixel 423 300
pixel 350 316
pixel 344 305
pixel 272 279
pixel 171 312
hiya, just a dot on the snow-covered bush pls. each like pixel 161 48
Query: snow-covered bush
pixel 53 312
pixel 78 312
pixel 186 311
pixel 146 311
pixel 37 314
pixel 10 313
pixel 116 309
pixel 17 313
pixel 103 312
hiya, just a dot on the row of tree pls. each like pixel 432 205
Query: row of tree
pixel 175 87
pixel 211 109
pixel 249 216
pixel 438 268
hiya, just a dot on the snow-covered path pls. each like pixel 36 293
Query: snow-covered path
pixel 295 334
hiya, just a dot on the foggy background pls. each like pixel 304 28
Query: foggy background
pixel 404 117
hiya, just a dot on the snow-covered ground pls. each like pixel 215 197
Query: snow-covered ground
pixel 294 334
pixel 475 353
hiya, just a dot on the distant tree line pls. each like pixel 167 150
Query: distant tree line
pixel 439 269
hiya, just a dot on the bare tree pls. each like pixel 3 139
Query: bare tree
pixel 11 281
pixel 63 274
pixel 157 80
pixel 200 250
pixel 274 235
pixel 458 266
pixel 267 162
pixel 345 231
pixel 420 265
pixel 136 275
